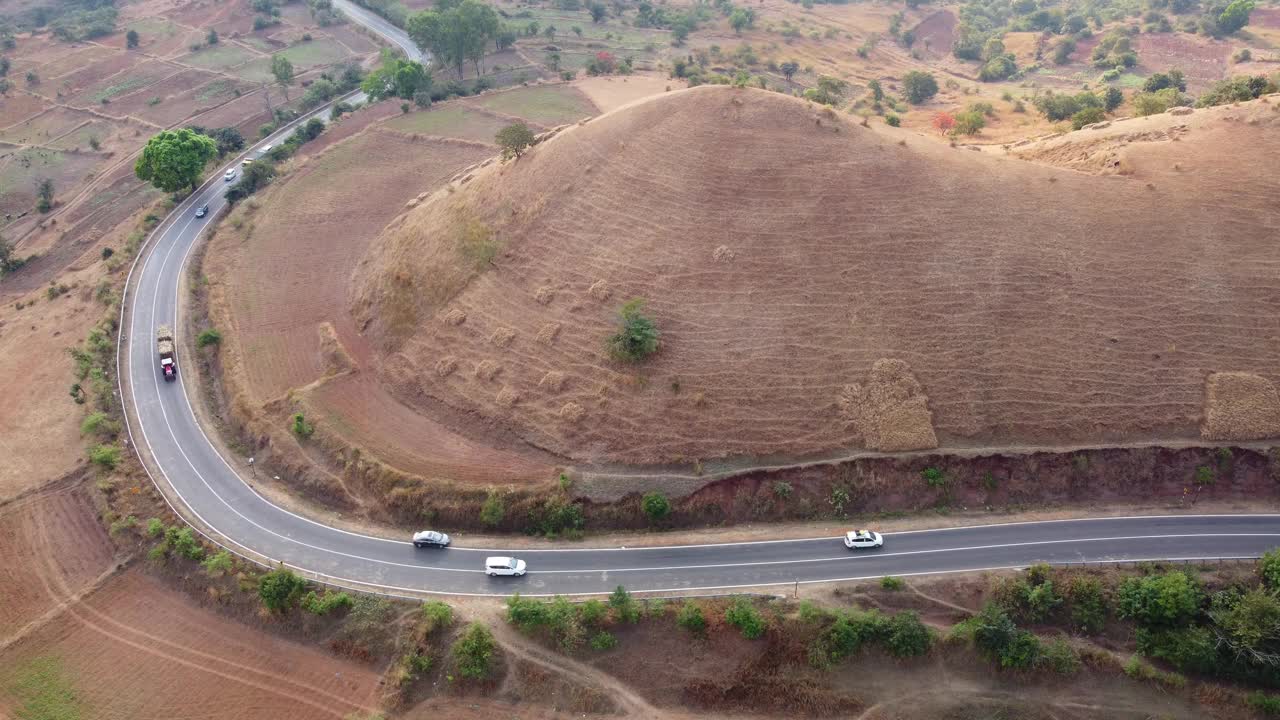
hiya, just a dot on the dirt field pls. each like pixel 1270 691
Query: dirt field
pixel 1025 324
pixel 137 649
pixel 611 93
pixel 267 294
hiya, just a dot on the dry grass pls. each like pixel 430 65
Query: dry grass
pixel 1240 406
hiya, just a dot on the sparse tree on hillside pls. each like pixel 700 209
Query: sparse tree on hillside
pixel 741 19
pixel 174 159
pixel 212 37
pixel 282 69
pixel 1236 16
pixel 789 69
pixel 514 139
pixel 637 339
pixel 131 39
pixel 1113 99
pixel 918 86
pixel 598 11
pixel 44 195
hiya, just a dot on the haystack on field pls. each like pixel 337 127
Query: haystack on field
pixel 819 285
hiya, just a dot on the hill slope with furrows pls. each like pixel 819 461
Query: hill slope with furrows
pixel 822 285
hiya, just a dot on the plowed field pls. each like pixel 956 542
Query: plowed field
pixel 135 649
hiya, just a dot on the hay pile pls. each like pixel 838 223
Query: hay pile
pixel 1240 406
pixel 890 411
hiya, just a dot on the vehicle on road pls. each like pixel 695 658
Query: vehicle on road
pixel 856 539
pixel 503 566
pixel 202 211
pixel 164 343
pixel 229 175
pixel 430 538
pixel 262 152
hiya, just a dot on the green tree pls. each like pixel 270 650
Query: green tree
pixel 637 339
pixel 907 636
pixel 1159 81
pixel 830 90
pixel 282 71
pixel 656 506
pixel 598 12
pixel 514 139
pixel 1088 116
pixel 212 37
pixel 625 607
pixel 1169 600
pixel 473 652
pixel 789 69
pixel 918 86
pixel 456 32
pixel 1269 568
pixel 1235 16
pixel 741 19
pixel 131 39
pixel 301 427
pixel 280 588
pixel 877 91
pixel 1249 627
pixel 173 160
pixel 1112 99
pixel 969 123
pixel 44 195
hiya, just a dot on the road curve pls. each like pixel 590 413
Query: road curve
pixel 178 454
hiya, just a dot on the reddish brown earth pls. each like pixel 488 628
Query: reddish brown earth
pixel 1204 61
pixel 783 252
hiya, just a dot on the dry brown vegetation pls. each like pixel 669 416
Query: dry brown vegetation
pixel 1003 286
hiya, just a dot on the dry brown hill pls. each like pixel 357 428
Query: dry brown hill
pixel 821 285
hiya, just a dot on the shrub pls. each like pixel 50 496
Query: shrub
pixel 889 582
pixel 782 489
pixel 183 541
pixel 690 617
pixel 892 120
pixel 1112 99
pixel 1087 604
pixel 1269 568
pixel 1060 106
pixel 1159 81
pixel 656 506
pixel 524 613
pixel 918 86
pixel 1167 600
pixel 324 604
pixel 1088 116
pixel 933 477
pixel 301 427
pixel 969 123
pixel 556 516
pixel 637 339
pixel 1000 67
pixel 1238 89
pixel 1059 657
pixel 743 615
pixel 625 608
pixel 592 612
pixel 493 510
pixel 218 564
pixel 1242 55
pixel 1264 704
pixel 280 589
pixel 603 640
pixel 105 456
pixel 155 527
pixel 1205 475
pixel 473 652
pixel 907 636
pixel 435 614
pixel 1191 649
pixel 846 635
pixel 208 337
pixel 99 424
pixel 1153 103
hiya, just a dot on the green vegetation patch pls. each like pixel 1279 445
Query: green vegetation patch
pixel 218 57
pixel 152 26
pixel 552 105
pixel 315 52
pixel 452 120
pixel 43 692
pixel 216 88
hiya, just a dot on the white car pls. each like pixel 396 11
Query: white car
pixel 503 566
pixel 855 539
pixel 229 175
pixel 430 538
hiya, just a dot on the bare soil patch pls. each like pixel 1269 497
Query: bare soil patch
pixel 135 643
pixel 1058 337
pixel 610 93
pixel 1204 61
pixel 19 106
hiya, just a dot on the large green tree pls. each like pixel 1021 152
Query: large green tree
pixel 282 69
pixel 174 159
pixel 456 31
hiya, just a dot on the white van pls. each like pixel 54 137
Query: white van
pixel 503 566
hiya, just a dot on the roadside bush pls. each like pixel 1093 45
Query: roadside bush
pixel 690 617
pixel 656 506
pixel 183 541
pixel 556 516
pixel 1189 649
pixel 208 337
pixel 889 582
pixel 846 635
pixel 1086 603
pixel 603 640
pixel 624 607
pixel 1269 568
pixel 637 339
pixel 435 615
pixel 105 456
pixel 327 603
pixel 1060 657
pixel 101 425
pixel 218 564
pixel 280 589
pixel 1169 600
pixel 155 528
pixel 906 636
pixel 493 510
pixel 592 612
pixel 933 477
pixel 743 615
pixel 525 613
pixel 473 652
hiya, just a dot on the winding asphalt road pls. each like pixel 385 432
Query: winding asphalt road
pixel 178 454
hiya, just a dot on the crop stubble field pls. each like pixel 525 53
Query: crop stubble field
pixel 784 253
